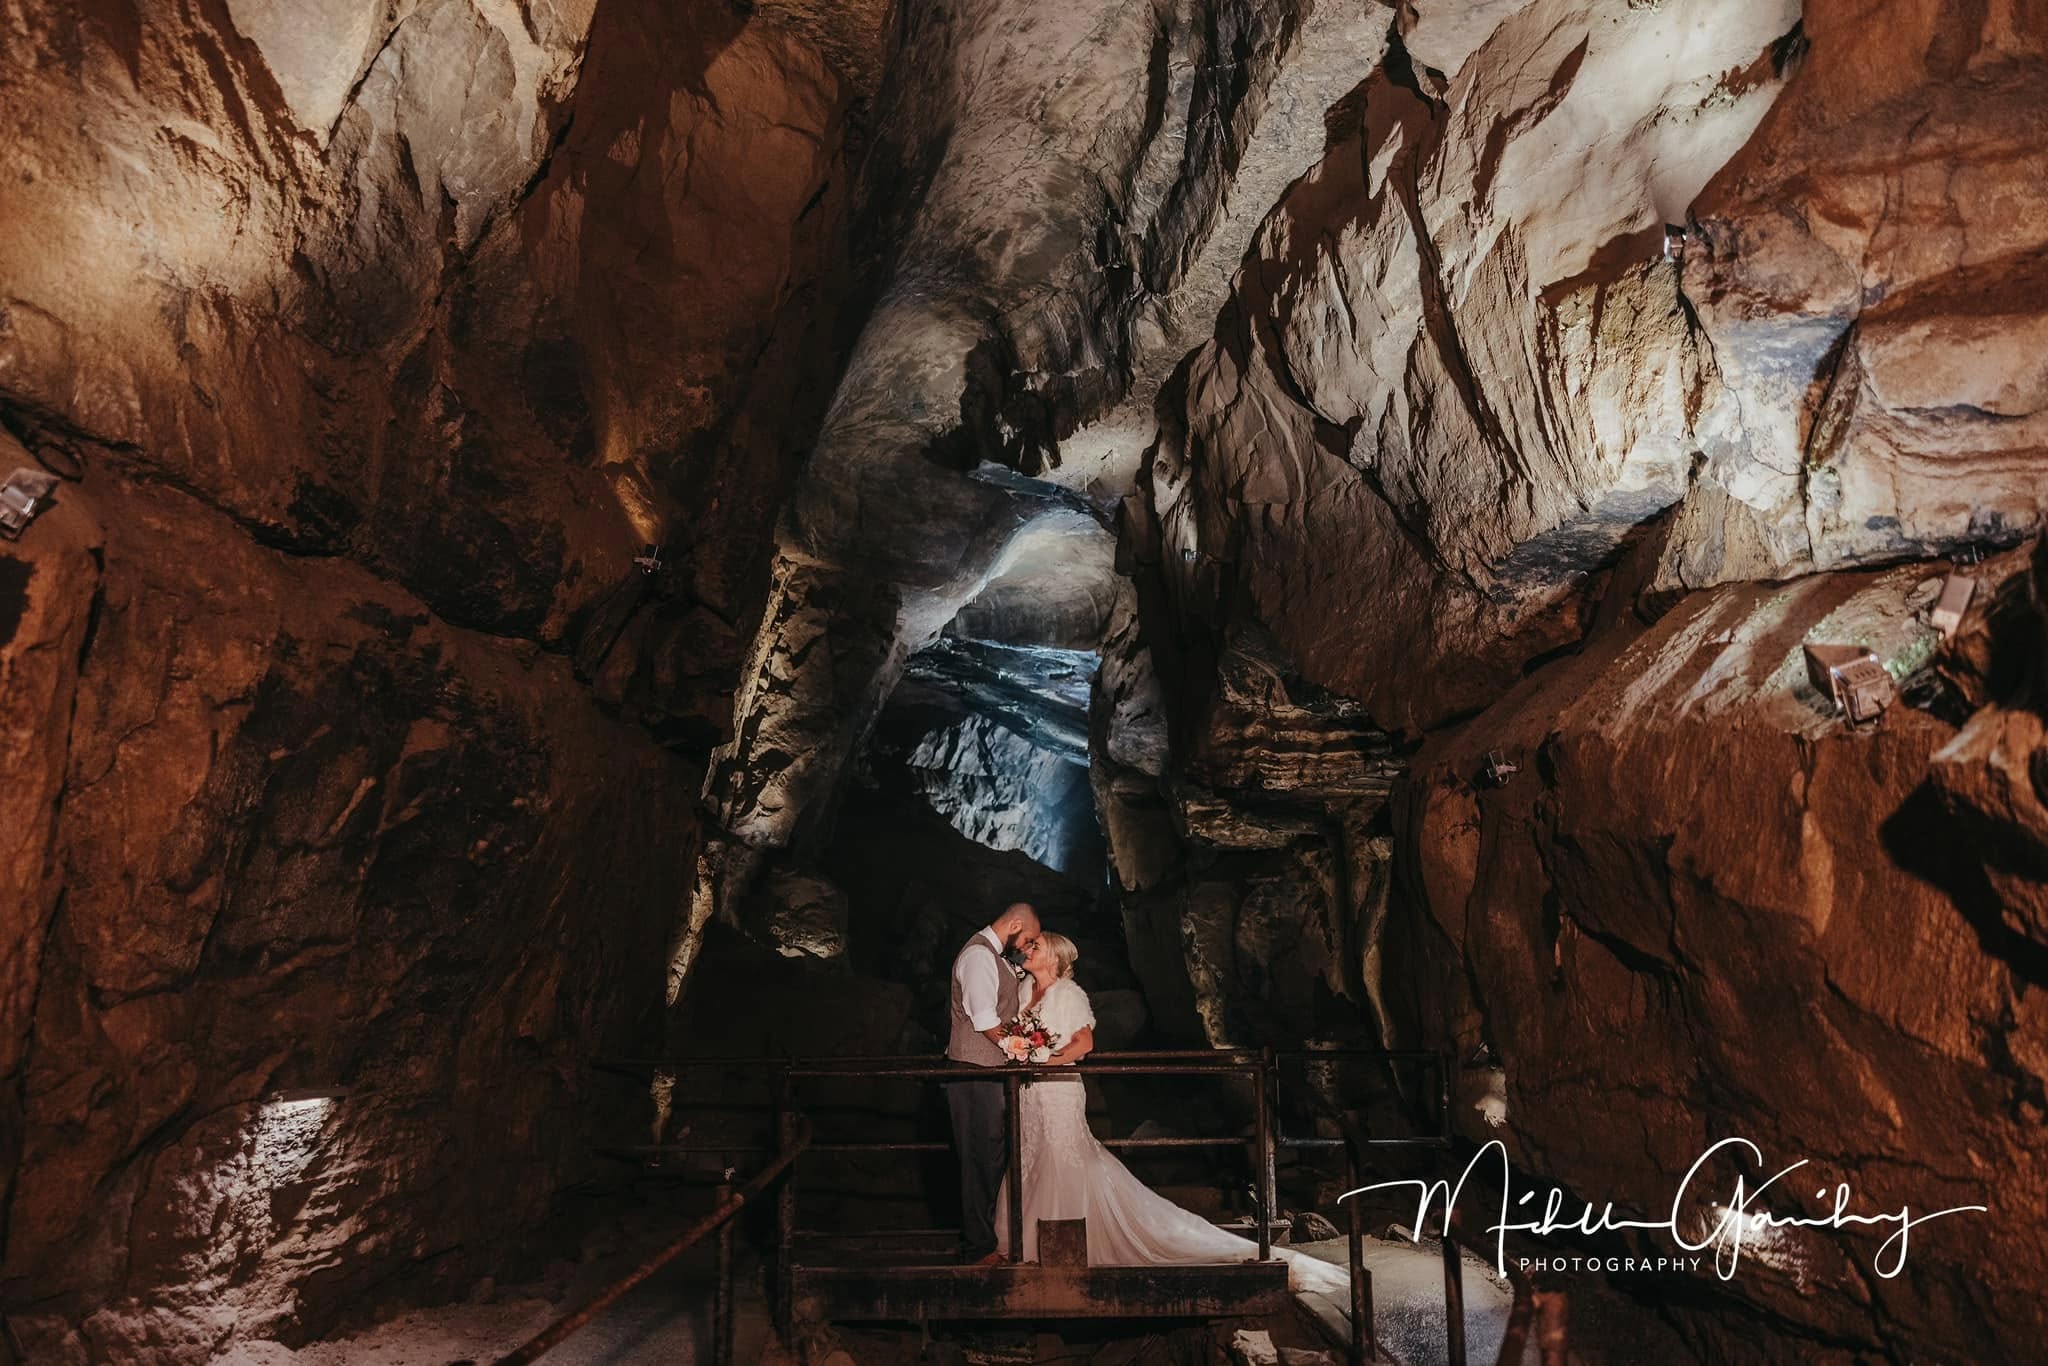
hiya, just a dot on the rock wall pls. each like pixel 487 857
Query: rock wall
pixel 1529 377
pixel 1610 354
pixel 335 900
pixel 1869 272
pixel 476 308
pixel 1825 974
pixel 351 763
pixel 1042 174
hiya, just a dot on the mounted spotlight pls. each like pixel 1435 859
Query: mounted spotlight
pixel 1947 613
pixel 306 1095
pixel 648 561
pixel 1852 678
pixel 1499 768
pixel 25 494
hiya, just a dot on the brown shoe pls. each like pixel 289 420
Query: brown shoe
pixel 993 1259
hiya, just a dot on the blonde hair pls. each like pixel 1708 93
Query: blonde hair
pixel 1062 949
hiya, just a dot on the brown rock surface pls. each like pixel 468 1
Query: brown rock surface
pixel 1704 893
pixel 1458 350
pixel 308 838
pixel 486 331
pixel 1463 419
pixel 385 336
pixel 1530 378
pixel 1870 272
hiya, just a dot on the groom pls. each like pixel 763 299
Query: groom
pixel 984 999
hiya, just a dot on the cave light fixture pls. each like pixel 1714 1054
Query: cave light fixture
pixel 1500 768
pixel 25 494
pixel 1852 678
pixel 304 1098
pixel 1947 613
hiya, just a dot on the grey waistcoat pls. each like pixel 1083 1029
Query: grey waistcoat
pixel 967 1043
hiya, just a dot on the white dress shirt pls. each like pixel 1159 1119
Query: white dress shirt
pixel 979 981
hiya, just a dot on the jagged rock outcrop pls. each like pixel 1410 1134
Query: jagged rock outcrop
pixel 485 332
pixel 1472 428
pixel 1453 375
pixel 334 898
pixel 1460 350
pixel 1444 423
pixel 1993 777
pixel 1775 913
pixel 1000 790
pixel 1870 274
pixel 1029 208
pixel 807 916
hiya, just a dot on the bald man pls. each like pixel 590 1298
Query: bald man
pixel 984 1000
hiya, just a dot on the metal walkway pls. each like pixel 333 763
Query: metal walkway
pixel 904 1274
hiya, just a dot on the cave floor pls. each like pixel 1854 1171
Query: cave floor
pixel 664 1321
pixel 667 1320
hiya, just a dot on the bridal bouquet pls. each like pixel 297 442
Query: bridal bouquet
pixel 1026 1039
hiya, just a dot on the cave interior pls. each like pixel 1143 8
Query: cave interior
pixel 550 545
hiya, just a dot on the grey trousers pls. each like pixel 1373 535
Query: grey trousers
pixel 981 1136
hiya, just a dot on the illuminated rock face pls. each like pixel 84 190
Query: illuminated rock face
pixel 1481 454
pixel 387 334
pixel 310 839
pixel 1705 893
pixel 1037 213
pixel 398 329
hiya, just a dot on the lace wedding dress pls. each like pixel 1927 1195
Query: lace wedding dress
pixel 1069 1175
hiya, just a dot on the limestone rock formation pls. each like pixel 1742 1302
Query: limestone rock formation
pixel 335 898
pixel 1461 350
pixel 1869 270
pixel 999 789
pixel 1327 498
pixel 366 307
pixel 1829 979
pixel 1031 208
pixel 1506 377
pixel 384 337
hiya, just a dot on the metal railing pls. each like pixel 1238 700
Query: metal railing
pixel 719 1221
pixel 1263 1069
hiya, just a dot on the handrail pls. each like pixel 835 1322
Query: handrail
pixel 1364 1344
pixel 658 1149
pixel 1543 1309
pixel 1260 1067
pixel 856 1063
pixel 554 1333
pixel 1032 1073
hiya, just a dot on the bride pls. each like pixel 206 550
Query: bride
pixel 1069 1175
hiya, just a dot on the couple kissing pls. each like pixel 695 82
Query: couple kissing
pixel 1040 1015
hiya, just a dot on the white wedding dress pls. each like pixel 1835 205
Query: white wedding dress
pixel 1068 1174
